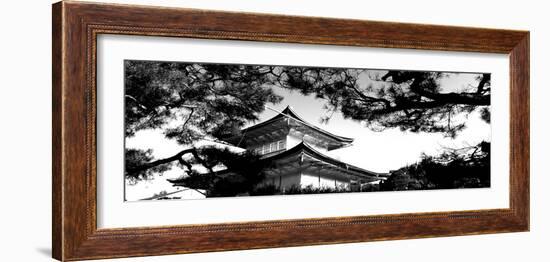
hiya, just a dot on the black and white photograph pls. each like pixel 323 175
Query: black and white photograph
pixel 202 130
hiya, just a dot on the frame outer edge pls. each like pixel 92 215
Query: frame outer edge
pixel 519 153
pixel 57 140
pixel 71 239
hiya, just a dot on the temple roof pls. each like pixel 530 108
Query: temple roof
pixel 289 159
pixel 335 141
pixel 324 159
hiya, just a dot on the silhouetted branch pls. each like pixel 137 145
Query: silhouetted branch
pixel 159 162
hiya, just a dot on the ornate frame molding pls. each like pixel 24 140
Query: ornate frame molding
pixel 76 26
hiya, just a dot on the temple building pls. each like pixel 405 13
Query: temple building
pixel 297 151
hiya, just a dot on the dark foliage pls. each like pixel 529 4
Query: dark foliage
pixel 370 188
pixel 208 100
pixel 297 189
pixel 246 171
pixel 270 189
pixel 463 168
pixel 408 100
pixel 135 158
pixel 265 190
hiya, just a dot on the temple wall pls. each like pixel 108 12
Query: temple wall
pixel 283 181
pixel 305 179
pixel 309 180
pixel 323 181
pixel 290 180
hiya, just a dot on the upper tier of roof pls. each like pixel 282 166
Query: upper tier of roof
pixel 335 141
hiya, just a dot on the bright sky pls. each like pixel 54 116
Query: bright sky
pixel 376 151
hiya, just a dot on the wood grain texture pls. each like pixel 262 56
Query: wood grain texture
pixel 57 195
pixel 519 129
pixel 76 26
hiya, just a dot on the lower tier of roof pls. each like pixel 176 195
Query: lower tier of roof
pixel 305 159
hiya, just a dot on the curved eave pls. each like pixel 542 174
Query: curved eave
pixel 288 112
pixel 303 147
pixel 346 140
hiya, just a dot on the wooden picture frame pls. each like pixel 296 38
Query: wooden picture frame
pixel 76 26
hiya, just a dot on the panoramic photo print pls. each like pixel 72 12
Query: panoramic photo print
pixel 202 130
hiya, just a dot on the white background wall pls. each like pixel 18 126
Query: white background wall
pixel 25 147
